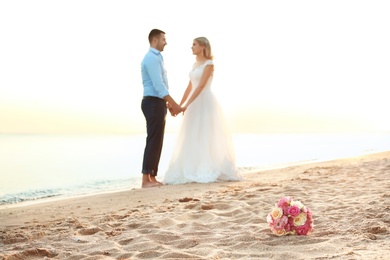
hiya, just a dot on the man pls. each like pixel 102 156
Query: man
pixel 154 106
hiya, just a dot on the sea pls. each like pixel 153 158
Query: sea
pixel 38 167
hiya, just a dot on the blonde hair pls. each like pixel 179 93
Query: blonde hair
pixel 203 41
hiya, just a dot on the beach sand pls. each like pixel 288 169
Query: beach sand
pixel 349 198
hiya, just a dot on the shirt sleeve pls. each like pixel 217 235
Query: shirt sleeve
pixel 156 73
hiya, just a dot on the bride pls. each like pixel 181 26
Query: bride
pixel 204 149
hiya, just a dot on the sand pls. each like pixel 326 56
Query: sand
pixel 349 198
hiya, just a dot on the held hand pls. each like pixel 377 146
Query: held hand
pixel 176 110
pixel 184 109
pixel 171 111
pixel 170 108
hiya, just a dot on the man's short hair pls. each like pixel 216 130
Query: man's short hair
pixel 154 33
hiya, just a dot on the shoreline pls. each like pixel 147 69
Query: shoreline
pixel 64 174
pixel 255 169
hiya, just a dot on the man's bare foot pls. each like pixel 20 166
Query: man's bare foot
pixel 153 179
pixel 149 181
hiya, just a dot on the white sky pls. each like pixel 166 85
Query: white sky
pixel 74 66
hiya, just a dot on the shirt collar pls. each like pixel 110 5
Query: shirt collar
pixel 155 51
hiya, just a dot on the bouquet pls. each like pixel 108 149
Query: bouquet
pixel 290 217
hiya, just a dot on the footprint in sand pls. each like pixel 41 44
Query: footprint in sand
pixel 134 225
pixel 164 238
pixel 33 253
pixel 125 241
pixel 89 231
pixel 166 222
pixel 186 199
pixel 377 230
pixel 13 238
pixel 185 243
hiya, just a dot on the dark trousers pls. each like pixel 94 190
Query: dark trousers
pixel 155 111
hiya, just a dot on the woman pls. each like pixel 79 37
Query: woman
pixel 204 150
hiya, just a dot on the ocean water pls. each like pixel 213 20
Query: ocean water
pixel 33 167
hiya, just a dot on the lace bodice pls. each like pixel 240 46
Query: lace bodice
pixel 197 71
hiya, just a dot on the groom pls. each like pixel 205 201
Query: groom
pixel 154 106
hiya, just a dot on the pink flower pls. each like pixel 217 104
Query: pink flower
pixel 291 222
pixel 284 202
pixel 309 218
pixel 293 211
pixel 280 223
pixel 309 214
pixel 288 227
pixel 302 230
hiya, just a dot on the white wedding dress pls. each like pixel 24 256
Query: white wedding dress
pixel 204 149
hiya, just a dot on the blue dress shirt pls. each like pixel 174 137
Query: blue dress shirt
pixel 154 75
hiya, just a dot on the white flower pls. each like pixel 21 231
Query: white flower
pixel 300 219
pixel 297 203
pixel 277 213
pixel 269 218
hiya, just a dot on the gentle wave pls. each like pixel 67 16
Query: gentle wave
pixel 68 191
